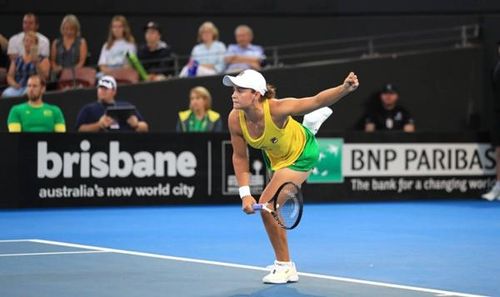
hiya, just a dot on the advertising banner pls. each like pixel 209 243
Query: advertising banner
pixel 402 170
pixel 97 168
pixel 130 169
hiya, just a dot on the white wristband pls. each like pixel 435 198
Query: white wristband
pixel 244 191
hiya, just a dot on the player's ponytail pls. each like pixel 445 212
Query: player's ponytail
pixel 270 93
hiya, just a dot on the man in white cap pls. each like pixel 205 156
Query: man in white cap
pixel 108 114
pixel 290 149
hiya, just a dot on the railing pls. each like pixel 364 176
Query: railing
pixel 362 47
pixel 372 46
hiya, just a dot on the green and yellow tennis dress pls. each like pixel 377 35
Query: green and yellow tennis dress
pixel 292 146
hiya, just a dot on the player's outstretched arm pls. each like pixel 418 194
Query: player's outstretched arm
pixel 301 106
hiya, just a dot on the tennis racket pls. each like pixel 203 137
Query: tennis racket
pixel 286 206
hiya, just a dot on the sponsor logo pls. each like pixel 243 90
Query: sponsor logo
pixel 257 171
pixel 418 159
pixel 112 163
pixel 329 168
pixel 338 160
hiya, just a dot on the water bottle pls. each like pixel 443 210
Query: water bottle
pixel 193 69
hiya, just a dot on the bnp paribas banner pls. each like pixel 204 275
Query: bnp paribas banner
pixel 405 169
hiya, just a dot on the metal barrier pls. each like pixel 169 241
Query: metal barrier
pixel 372 46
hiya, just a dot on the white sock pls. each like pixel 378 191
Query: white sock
pixel 315 119
pixel 283 263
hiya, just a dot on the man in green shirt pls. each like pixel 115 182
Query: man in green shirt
pixel 35 115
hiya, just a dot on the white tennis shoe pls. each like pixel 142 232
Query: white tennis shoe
pixel 281 274
pixel 494 194
pixel 315 118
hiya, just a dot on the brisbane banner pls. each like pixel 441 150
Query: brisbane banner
pixel 121 169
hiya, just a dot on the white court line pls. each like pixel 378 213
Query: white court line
pixel 52 253
pixel 441 293
pixel 15 240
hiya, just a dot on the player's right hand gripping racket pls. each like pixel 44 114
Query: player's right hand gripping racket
pixel 286 205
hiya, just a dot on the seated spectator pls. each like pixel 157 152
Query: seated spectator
pixel 69 50
pixel 4 60
pixel 156 55
pixel 387 115
pixel 207 57
pixel 120 42
pixel 36 115
pixel 199 117
pixel 16 42
pixel 22 67
pixel 93 117
pixel 244 54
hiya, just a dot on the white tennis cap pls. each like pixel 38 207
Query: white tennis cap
pixel 107 82
pixel 248 79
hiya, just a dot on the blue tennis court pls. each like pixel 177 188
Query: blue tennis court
pixel 438 248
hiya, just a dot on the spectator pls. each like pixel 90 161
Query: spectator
pixel 244 54
pixel 4 43
pixel 70 50
pixel 22 67
pixel 16 42
pixel 199 117
pixel 156 55
pixel 387 114
pixel 93 117
pixel 36 115
pixel 120 42
pixel 494 193
pixel 207 57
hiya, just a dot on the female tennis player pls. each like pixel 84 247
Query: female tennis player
pixel 290 149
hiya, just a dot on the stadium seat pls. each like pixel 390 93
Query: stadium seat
pixel 125 75
pixel 3 76
pixel 3 79
pixel 83 78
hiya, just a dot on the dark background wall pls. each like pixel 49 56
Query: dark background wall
pixel 335 7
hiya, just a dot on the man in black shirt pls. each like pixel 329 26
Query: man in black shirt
pixel 388 115
pixel 103 116
pixel 155 55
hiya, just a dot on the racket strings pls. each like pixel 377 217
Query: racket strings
pixel 289 211
pixel 288 206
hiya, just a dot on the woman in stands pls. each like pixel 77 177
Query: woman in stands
pixel 199 117
pixel 289 148
pixel 120 42
pixel 69 50
pixel 208 54
pixel 22 67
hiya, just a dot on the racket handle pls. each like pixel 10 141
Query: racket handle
pixel 257 206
